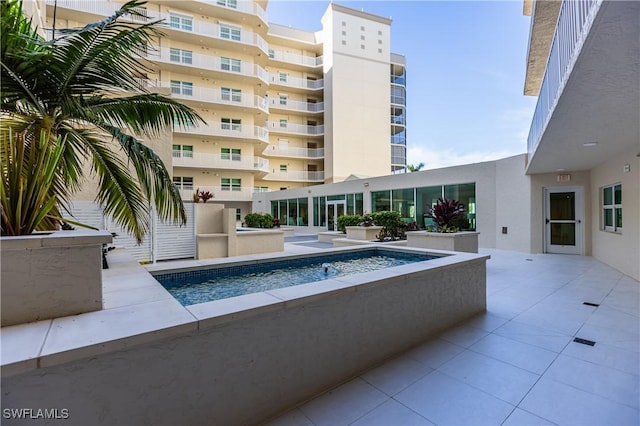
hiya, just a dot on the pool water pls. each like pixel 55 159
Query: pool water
pixel 206 285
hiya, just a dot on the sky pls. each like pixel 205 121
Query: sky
pixel 465 73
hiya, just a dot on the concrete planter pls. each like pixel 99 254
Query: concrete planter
pixel 51 275
pixel 365 233
pixel 457 241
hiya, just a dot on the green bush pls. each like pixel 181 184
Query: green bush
pixel 392 224
pixel 258 220
pixel 348 220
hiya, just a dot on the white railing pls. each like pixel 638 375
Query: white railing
pixel 97 7
pixel 302 83
pixel 243 193
pixel 304 129
pixel 220 161
pixel 312 107
pixel 209 62
pixel 213 30
pixel 242 131
pixel 573 25
pixel 206 94
pixel 295 58
pixel 242 6
pixel 294 152
pixel 296 175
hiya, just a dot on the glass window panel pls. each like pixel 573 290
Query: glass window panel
pixel 426 197
pixel 335 197
pixel 284 220
pixel 404 203
pixel 359 203
pixel 293 212
pixel 562 205
pixel 617 198
pixel 380 200
pixel 303 212
pixel 350 204
pixel 607 196
pixel 274 209
pixel 618 219
pixel 608 217
pixel 563 234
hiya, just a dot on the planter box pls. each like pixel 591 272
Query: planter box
pixel 51 275
pixel 458 241
pixel 365 233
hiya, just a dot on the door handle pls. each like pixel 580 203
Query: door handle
pixel 578 221
pixel 546 221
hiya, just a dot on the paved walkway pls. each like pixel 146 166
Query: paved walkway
pixel 518 364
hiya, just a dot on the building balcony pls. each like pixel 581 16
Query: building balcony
pixel 244 193
pixel 196 94
pixel 297 129
pixel 295 59
pixel 297 106
pixel 587 107
pixel 297 84
pixel 227 131
pixel 229 71
pixel 223 162
pixel 227 10
pixel 295 176
pixel 294 152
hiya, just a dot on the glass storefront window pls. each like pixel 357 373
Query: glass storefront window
pixel 404 203
pixel 425 198
pixel 380 200
pixel 303 212
pixel 466 194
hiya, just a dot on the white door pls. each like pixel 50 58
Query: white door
pixel 564 212
pixel 335 209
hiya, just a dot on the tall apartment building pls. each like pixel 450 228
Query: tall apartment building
pixel 285 108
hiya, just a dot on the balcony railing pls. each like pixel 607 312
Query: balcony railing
pixel 294 152
pixel 573 25
pixel 295 58
pixel 244 193
pixel 311 107
pixel 398 119
pixel 208 62
pixel 216 96
pixel 301 83
pixel 303 129
pixel 242 6
pixel 241 131
pixel 399 139
pixel 220 161
pixel 296 175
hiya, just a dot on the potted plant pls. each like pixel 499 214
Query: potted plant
pixel 447 215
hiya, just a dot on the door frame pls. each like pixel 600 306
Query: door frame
pixel 579 217
pixel 335 204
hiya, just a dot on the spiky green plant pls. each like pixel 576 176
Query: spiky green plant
pixel 81 88
pixel 445 213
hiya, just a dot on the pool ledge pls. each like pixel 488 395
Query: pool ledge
pixel 138 310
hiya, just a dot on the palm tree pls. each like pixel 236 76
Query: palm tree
pixel 80 89
pixel 411 168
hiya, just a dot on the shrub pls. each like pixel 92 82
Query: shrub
pixel 392 225
pixel 445 213
pixel 348 220
pixel 258 220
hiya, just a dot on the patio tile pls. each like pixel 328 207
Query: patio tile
pixel 620 337
pixel 435 352
pixel 343 405
pixel 495 377
pixel 486 321
pixel 563 317
pixel 447 401
pixel 532 335
pixel 605 354
pixel 567 405
pixel 603 381
pixel 527 357
pixel 396 374
pixel 392 413
pixel 294 417
pixel 523 418
pixel 463 335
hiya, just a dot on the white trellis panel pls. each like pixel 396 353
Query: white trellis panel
pixel 173 241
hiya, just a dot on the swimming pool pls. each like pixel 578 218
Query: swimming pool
pixel 205 285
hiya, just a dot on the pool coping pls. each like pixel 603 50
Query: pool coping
pixel 138 310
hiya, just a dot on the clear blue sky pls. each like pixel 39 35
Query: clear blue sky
pixel 465 73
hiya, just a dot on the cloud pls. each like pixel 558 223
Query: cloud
pixel 435 158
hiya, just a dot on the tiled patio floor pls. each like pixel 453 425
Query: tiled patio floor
pixel 515 365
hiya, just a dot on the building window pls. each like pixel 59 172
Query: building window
pixel 362 46
pixel 229 184
pixel 344 33
pixel 379 50
pixel 234 124
pixel 362 28
pixel 344 24
pixel 181 88
pixel 183 182
pixel 181 22
pixel 238 214
pixel 233 4
pixel 612 208
pixel 283 123
pixel 361 37
pixel 283 188
pixel 233 95
pixel 283 99
pixel 272 54
pixel 230 32
pixel 283 77
pixel 283 167
pixel 260 189
pixel 232 154
pixel 182 151
pixel 228 64
pixel 344 42
pixel 179 55
pixel 379 32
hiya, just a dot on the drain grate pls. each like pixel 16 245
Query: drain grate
pixel 584 341
pixel 591 304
